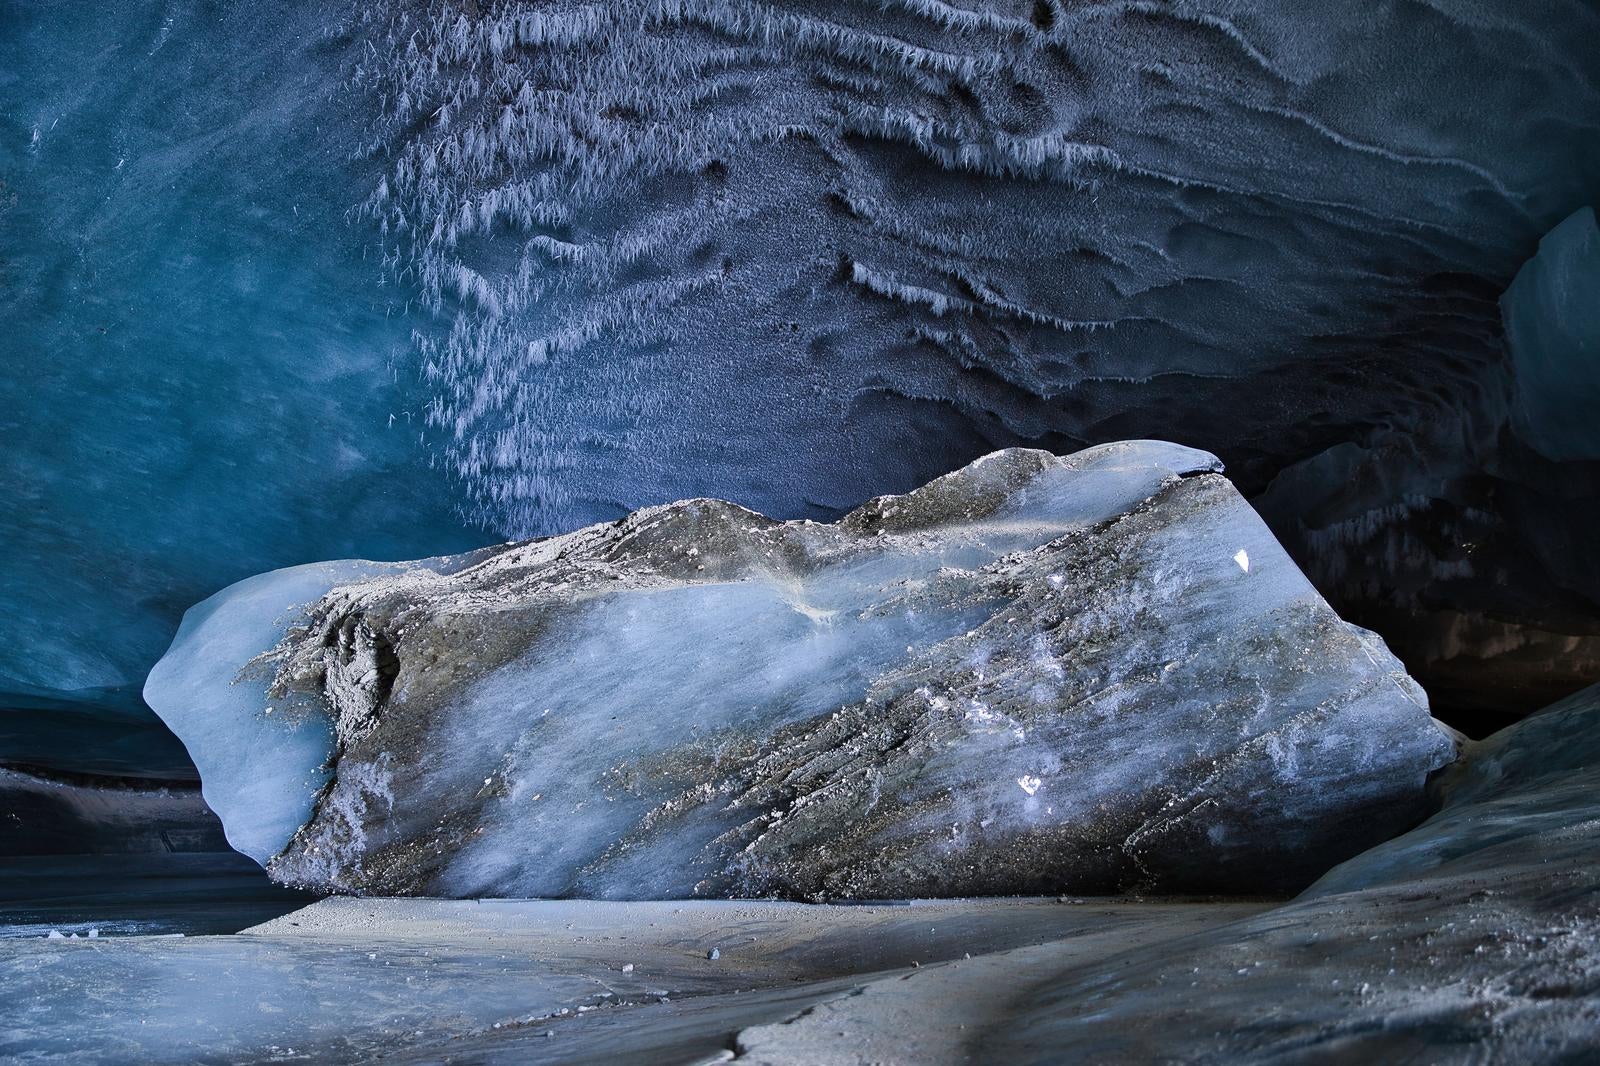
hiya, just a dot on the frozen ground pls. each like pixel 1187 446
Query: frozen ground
pixel 425 980
pixel 1472 938
pixel 153 893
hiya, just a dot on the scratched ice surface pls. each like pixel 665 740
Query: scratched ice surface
pixel 1034 674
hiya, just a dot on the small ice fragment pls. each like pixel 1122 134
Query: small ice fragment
pixel 1029 783
pixel 627 967
pixel 713 954
pixel 94 934
pixel 1242 557
pixel 55 934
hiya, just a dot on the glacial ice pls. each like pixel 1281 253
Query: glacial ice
pixel 1552 317
pixel 1031 675
pixel 1473 937
pixel 197 370
pixel 260 774
pixel 793 254
pixel 1487 955
pixel 1532 789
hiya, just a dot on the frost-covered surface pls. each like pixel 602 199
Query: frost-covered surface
pixel 1034 674
pixel 794 254
pixel 716 247
pixel 1046 218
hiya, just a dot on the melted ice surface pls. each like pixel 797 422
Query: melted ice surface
pixel 666 665
pixel 260 774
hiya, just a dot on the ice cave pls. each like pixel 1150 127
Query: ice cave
pixel 799 532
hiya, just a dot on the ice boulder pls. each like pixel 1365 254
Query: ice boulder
pixel 1035 674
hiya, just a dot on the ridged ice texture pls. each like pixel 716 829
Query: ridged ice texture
pixel 799 253
pixel 1034 674
pixel 1008 218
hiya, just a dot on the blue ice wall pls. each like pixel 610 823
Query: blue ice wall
pixel 196 377
pixel 284 282
pixel 1552 314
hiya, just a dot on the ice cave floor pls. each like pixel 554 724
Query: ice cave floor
pixel 1015 980
pixel 524 980
pixel 1472 938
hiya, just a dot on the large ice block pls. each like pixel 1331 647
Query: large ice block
pixel 1034 674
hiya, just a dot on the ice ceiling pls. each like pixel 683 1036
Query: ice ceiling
pixel 393 279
